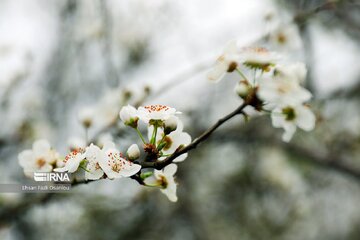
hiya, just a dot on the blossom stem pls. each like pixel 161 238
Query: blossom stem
pixel 86 135
pixel 140 135
pixel 153 138
pixel 161 141
pixel 241 74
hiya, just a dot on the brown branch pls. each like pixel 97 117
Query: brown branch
pixel 197 141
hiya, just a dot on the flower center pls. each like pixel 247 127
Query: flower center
pixel 163 182
pixel 261 50
pixel 289 113
pixel 168 142
pixel 116 161
pixel 40 162
pixel 156 108
pixel 281 38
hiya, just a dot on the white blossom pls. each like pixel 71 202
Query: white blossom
pixel 175 140
pixel 38 159
pixel 114 164
pixel 133 152
pixel 165 179
pixel 172 141
pixel 156 112
pixel 282 91
pixel 293 72
pixel 291 117
pixel 227 62
pixel 258 58
pixel 87 116
pixel 93 169
pixel 286 37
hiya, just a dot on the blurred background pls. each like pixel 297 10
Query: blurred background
pixel 59 57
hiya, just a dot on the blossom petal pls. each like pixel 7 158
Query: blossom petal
pixel 130 169
pixel 181 158
pixel 26 158
pixel 170 169
pixel 290 129
pixel 108 145
pixel 217 72
pixel 306 119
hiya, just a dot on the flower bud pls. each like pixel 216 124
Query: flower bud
pixel 128 115
pixel 242 88
pixel 170 125
pixel 133 152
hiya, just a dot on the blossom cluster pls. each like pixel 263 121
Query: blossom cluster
pixel 275 87
pixel 165 136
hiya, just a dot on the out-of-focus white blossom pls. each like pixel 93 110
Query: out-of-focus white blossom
pixel 38 159
pixel 227 62
pixel 293 72
pixel 165 179
pixel 290 117
pixel 87 116
pixel 104 138
pixel 282 91
pixel 108 108
pixel 156 112
pixel 133 152
pixel 76 143
pixel 258 58
pixel 286 37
